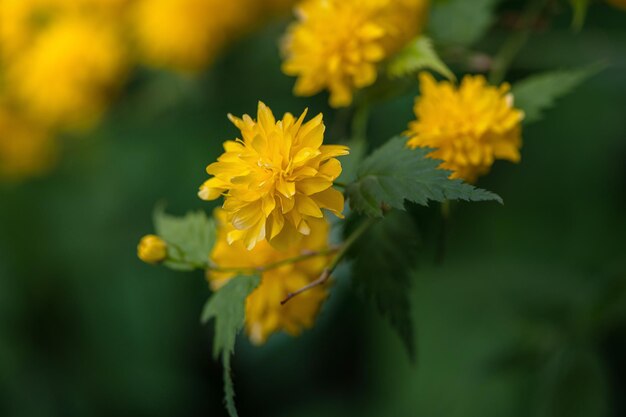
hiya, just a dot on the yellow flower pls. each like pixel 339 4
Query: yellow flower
pixel 618 3
pixel 338 44
pixel 277 179
pixel 64 79
pixel 468 126
pixel 264 313
pixel 186 35
pixel 152 249
pixel 25 149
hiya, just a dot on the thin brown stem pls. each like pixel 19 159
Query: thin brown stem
pixel 341 254
pixel 274 265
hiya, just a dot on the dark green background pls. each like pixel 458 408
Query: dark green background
pixel 525 317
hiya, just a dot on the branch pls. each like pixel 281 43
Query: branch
pixel 325 276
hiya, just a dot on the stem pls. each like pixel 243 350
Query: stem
pixel 343 251
pixel 515 42
pixel 360 120
pixel 273 265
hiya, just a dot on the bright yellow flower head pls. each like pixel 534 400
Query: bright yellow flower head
pixel 264 313
pixel 65 77
pixel 25 150
pixel 618 3
pixel 186 34
pixel 21 21
pixel 152 249
pixel 276 179
pixel 338 44
pixel 469 127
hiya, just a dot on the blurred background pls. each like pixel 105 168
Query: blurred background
pixel 526 316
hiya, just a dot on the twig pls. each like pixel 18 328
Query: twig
pixel 515 43
pixel 275 265
pixel 325 276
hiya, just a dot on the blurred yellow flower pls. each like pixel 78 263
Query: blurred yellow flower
pixel 264 313
pixel 277 179
pixel 25 150
pixel 618 3
pixel 186 35
pixel 66 77
pixel 468 126
pixel 152 249
pixel 338 44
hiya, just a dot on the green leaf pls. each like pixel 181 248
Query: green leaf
pixel 383 259
pixel 537 93
pixel 190 238
pixel 580 13
pixel 417 55
pixel 394 174
pixel 228 307
pixel 461 22
pixel 573 383
pixel 229 387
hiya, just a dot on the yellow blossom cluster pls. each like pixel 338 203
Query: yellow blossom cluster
pixel 338 45
pixel 276 178
pixel 469 126
pixel 25 149
pixel 63 61
pixel 264 313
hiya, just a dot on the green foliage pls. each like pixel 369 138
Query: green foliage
pixel 419 54
pixel 580 13
pixel 395 173
pixel 573 384
pixel 383 259
pixel 229 387
pixel 228 307
pixel 537 93
pixel 461 22
pixel 190 238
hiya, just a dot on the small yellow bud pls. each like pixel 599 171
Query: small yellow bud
pixel 152 249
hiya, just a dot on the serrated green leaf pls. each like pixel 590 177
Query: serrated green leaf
pixel 394 174
pixel 537 93
pixel 229 387
pixel 461 22
pixel 417 55
pixel 383 259
pixel 228 307
pixel 190 238
pixel 580 13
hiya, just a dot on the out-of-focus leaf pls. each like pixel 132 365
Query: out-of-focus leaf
pixel 190 238
pixel 228 307
pixel 461 22
pixel 419 54
pixel 580 13
pixel 383 259
pixel 394 174
pixel 573 384
pixel 537 93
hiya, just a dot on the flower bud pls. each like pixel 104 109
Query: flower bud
pixel 152 249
